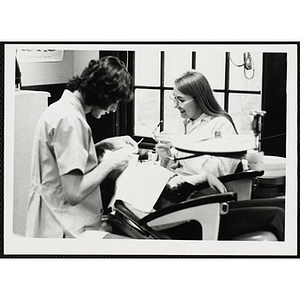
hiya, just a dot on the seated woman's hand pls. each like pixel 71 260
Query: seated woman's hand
pixel 163 150
pixel 164 138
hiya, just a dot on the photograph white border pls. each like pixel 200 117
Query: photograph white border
pixel 17 245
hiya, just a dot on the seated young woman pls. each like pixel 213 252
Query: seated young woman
pixel 203 117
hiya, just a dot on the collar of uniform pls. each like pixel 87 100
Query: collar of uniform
pixel 202 117
pixel 69 96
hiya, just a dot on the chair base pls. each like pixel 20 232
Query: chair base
pixel 256 236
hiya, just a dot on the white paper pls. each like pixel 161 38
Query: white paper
pixel 140 186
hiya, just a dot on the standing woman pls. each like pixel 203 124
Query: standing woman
pixel 65 198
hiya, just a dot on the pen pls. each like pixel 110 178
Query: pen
pixel 156 128
pixel 140 141
pixel 158 125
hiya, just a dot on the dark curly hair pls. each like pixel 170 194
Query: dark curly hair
pixel 104 82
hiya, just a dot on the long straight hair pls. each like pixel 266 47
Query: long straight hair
pixel 195 84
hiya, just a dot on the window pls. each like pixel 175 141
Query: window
pixel 155 72
pixel 237 89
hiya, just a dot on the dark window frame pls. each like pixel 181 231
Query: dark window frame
pixel 122 123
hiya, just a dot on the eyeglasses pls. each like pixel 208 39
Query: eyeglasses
pixel 180 102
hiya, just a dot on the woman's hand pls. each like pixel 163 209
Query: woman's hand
pixel 128 141
pixel 215 183
pixel 163 146
pixel 118 142
pixel 117 160
pixel 164 138
pixel 163 150
pixel 76 186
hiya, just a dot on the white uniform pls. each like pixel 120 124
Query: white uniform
pixel 202 128
pixel 63 142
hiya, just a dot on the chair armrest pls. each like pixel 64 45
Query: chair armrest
pixel 132 221
pixel 215 198
pixel 232 177
pixel 124 210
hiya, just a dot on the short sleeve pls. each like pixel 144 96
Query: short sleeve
pixel 71 144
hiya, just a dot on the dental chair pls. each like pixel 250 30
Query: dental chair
pixel 203 208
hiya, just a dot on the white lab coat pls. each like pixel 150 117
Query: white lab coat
pixel 202 128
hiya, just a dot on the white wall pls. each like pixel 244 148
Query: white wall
pixel 82 59
pixel 40 73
